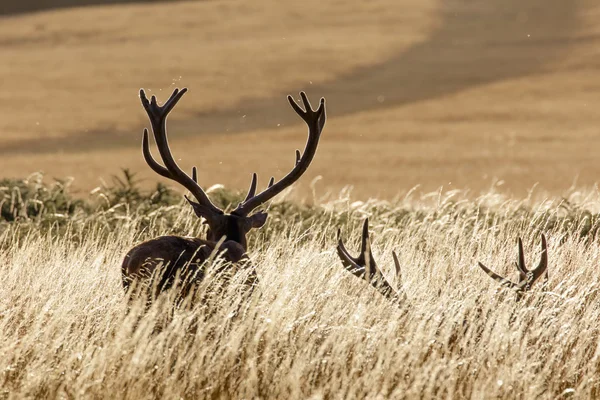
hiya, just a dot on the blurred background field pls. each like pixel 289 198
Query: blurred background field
pixel 438 93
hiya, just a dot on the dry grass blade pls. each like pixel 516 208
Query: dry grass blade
pixel 66 329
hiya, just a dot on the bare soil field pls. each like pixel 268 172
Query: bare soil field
pixel 431 93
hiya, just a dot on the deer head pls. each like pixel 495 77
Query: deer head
pixel 235 225
pixel 364 266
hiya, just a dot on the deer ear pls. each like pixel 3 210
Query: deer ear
pixel 201 211
pixel 257 220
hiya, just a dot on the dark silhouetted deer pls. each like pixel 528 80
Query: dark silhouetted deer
pixel 364 266
pixel 226 232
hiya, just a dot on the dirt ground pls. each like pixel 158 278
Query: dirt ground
pixel 457 93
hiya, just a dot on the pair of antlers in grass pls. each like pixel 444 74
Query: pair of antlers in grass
pixel 526 277
pixel 365 267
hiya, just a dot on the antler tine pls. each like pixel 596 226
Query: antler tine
pixel 348 261
pixel 156 167
pixel 158 119
pixel 526 278
pixel 365 270
pixel 252 190
pixel 543 265
pixel 397 267
pixel 365 251
pixel 271 182
pixel 315 121
pixel 365 245
pixel 400 289
pixel 194 174
pixel 498 278
pixel 521 264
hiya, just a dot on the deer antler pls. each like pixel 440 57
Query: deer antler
pixel 315 121
pixel 365 267
pixel 158 119
pixel 526 277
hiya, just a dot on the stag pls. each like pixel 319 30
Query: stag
pixel 184 256
pixel 526 277
pixel 364 266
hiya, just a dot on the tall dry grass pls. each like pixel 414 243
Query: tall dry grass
pixel 312 330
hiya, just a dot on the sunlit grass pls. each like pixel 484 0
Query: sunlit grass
pixel 311 329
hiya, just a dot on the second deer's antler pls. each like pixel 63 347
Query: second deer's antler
pixel 365 267
pixel 526 277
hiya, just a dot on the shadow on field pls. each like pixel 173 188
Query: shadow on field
pixel 12 7
pixel 477 43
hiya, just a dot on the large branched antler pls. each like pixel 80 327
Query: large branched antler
pixel 526 277
pixel 365 267
pixel 315 121
pixel 158 119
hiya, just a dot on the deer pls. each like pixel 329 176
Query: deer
pixel 227 231
pixel 526 277
pixel 365 267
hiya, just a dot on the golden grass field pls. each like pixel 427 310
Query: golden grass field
pixel 311 330
pixel 472 103
pixel 453 93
